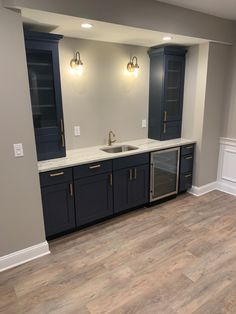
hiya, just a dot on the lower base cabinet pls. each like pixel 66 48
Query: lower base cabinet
pixel 130 187
pixel 93 198
pixel 58 208
pixel 76 196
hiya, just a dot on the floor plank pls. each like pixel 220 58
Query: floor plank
pixel 176 257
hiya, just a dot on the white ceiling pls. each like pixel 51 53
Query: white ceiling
pixel 71 27
pixel 221 8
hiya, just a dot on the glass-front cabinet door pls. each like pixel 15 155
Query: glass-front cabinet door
pixel 45 91
pixel 164 173
pixel 173 88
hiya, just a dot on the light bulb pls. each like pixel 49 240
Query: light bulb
pixel 136 72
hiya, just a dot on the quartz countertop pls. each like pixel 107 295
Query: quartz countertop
pixel 82 156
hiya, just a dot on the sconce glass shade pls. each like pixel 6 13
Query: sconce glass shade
pixel 76 64
pixel 133 66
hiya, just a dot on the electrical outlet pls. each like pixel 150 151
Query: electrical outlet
pixel 18 150
pixel 144 123
pixel 77 130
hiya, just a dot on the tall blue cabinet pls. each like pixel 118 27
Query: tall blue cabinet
pixel 167 68
pixel 45 91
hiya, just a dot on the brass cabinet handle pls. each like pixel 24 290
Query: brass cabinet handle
pixel 62 126
pixel 57 174
pixel 110 179
pixel 165 115
pixel 188 175
pixel 164 130
pixel 188 147
pixel 130 175
pixel 71 189
pixel 135 173
pixel 94 167
pixel 62 140
pixel 189 157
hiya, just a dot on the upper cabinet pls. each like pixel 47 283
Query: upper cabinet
pixel 45 91
pixel 167 68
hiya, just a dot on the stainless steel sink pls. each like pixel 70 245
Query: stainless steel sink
pixel 118 149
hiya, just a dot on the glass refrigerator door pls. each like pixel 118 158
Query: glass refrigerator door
pixel 164 173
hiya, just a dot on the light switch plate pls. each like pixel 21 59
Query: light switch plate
pixel 77 130
pixel 18 150
pixel 144 123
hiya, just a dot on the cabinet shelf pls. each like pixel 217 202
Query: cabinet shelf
pixel 39 64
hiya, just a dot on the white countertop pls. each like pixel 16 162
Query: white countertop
pixel 93 154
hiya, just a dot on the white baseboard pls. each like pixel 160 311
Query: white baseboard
pixel 227 188
pixel 199 191
pixel 23 256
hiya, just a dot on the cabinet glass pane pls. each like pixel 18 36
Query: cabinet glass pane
pixel 165 172
pixel 40 70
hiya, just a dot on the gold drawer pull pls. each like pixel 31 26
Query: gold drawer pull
pixel 164 131
pixel 165 115
pixel 71 189
pixel 110 179
pixel 130 174
pixel 62 140
pixel 188 147
pixel 189 157
pixel 135 174
pixel 94 167
pixel 62 126
pixel 57 174
pixel 188 175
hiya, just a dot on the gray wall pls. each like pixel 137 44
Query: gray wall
pixel 218 68
pixel 229 126
pixel 205 86
pixel 148 14
pixel 21 221
pixel 104 98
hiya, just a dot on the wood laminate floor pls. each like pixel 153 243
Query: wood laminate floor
pixel 178 257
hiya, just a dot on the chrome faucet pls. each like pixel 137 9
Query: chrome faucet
pixel 110 140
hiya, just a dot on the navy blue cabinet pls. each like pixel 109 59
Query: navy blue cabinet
pixel 186 167
pixel 131 182
pixel 58 201
pixel 93 198
pixel 167 67
pixel 93 192
pixel 45 91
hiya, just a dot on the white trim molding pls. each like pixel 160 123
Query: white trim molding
pixel 201 190
pixel 227 166
pixel 23 256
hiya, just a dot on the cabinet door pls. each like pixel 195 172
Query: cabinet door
pixel 93 198
pixel 130 188
pixel 58 208
pixel 45 92
pixel 173 88
pixel 139 187
pixel 122 191
pixel 170 130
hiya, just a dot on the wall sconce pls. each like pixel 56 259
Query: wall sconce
pixel 76 63
pixel 133 66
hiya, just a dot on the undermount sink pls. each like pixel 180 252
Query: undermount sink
pixel 119 149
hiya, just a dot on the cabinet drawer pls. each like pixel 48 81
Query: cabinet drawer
pixel 187 149
pixel 55 176
pixel 131 161
pixel 186 164
pixel 185 182
pixel 92 169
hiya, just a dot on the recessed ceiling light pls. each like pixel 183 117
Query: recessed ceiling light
pixel 86 25
pixel 167 38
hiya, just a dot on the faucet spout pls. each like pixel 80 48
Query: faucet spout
pixel 111 138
